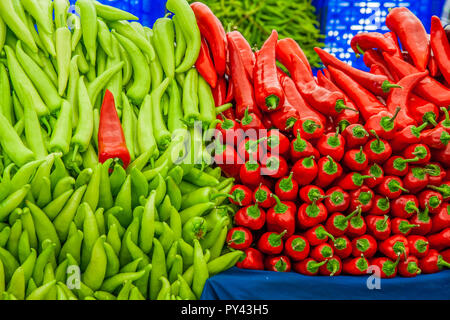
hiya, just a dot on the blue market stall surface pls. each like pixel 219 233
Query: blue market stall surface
pixel 238 284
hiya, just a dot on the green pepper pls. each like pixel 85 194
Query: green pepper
pixel 190 98
pixel 194 228
pixel 164 37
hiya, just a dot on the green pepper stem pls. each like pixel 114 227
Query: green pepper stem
pixel 397 111
pixel 351 215
pixel 446 122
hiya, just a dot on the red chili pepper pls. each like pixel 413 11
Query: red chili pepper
pixel 402 226
pixel 271 243
pixel 327 102
pixel 251 121
pixel 406 137
pixel 281 217
pixel 243 88
pixel 111 139
pixel 287 188
pixel 429 88
pixel 285 118
pixel 212 29
pixel 422 110
pixel 277 264
pixel 437 138
pixel 446 254
pixel 440 46
pixel 364 41
pixel 297 248
pixel 308 267
pixel 409 268
pixel 251 217
pixel 333 267
pixel 379 226
pixel 310 193
pixel 365 245
pixel 366 82
pixel 252 260
pixel 418 246
pixel 441 220
pixel 398 52
pixel 245 52
pixel 395 246
pixel 205 65
pixel 333 145
pixel 378 150
pixel 433 67
pixel 268 90
pixel 317 235
pixel 337 200
pixel 357 226
pixel 440 241
pixel 310 215
pixel 352 181
pixel 356 160
pixel 387 267
pixel 220 96
pixel 433 199
pixel 398 166
pixel 239 238
pixel 322 252
pixel 421 151
pixel 230 93
pixel 227 159
pixel 405 206
pixel 229 131
pixel 391 187
pixel 263 197
pixel 290 45
pixel 374 59
pixel 300 148
pixel 305 171
pixel 443 156
pixel 424 222
pixel 377 174
pixel 241 196
pixel 416 180
pixel 337 224
pixel 412 35
pixel 381 206
pixel 363 197
pixel 356 266
pixel 252 148
pixel 445 123
pixel 278 143
pixel 433 263
pixel 329 171
pixel 250 174
pixel 274 166
pixel 342 247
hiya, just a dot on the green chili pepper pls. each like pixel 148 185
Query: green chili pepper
pixel 41 292
pixel 197 210
pixel 16 285
pixel 69 294
pixel 113 238
pixel 132 266
pixel 88 17
pixel 123 200
pixel 115 85
pixel 49 275
pixel 132 229
pixel 96 269
pixel 83 65
pixel 200 195
pixel 206 103
pixel 106 200
pixel 194 228
pixel 13 242
pixel 164 37
pixel 135 294
pixel 162 170
pixel 92 193
pixel 113 263
pixel 212 236
pixel 200 178
pixel 10 263
pixel 145 133
pixel 136 252
pixel 63 40
pixel 164 288
pixel 117 179
pixel 115 281
pixel 45 194
pixel 97 85
pixel 170 257
pixel 104 37
pixel 103 295
pixel 12 202
pixel 129 122
pixel 91 234
pixel 174 193
pixel 158 269
pixel 127 67
pixel 160 186
pixel 73 247
pixel 201 273
pixel 6 108
pixel 28 264
pixel 217 248
pixel 29 227
pixel 165 209
pixel 186 187
pixel 62 133
pixel 186 292
pixel 224 262
pixel 42 260
pixel 190 99
pixel 90 158
pixel 161 134
pixel 180 49
pixel 63 186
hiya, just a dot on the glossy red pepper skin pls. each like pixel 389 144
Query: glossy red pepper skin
pixel 409 268
pixel 250 174
pixel 381 206
pixel 338 200
pixel 357 226
pixel 441 220
pixel 271 243
pixel 401 226
pixel 374 59
pixel 333 267
pixel 111 139
pixel 424 222
pixel 363 197
pixel 364 41
pixel 406 137
pixel 440 241
pixel 329 171
pixel 277 264
pixel 254 260
pixel 384 124
pixel 376 172
pixel 297 248
pixel 305 171
pixel 443 156
pixel 269 93
pixel 391 187
pixel 378 150
pixel 227 159
pixel 379 227
pixel 205 65
pixel 322 252
pixel 230 94
pixel 342 247
pixel 285 118
pixel 310 215
pixel 440 46
pixel 422 110
pixel 311 193
pixel 356 160
pixel 251 121
pixel 274 166
pixel 405 206
pixel 418 246
pixel 278 143
pixel 394 246
pixel 352 181
pixel 421 151
pixel 251 217
pixel 415 180
pixel 212 29
pixel 437 138
pixel 245 52
pixel 433 263
pixel 412 35
pixel 317 235
pixel 220 92
pixel 287 188
pixel 241 195
pixel 251 148
pixel 433 199
pixel 387 267
pixel 290 45
pixel 355 266
pixel 333 145
pixel 365 245
pixel 281 217
pixel 239 238
pixel 263 197
pixel 308 267
pixel 397 166
pixel 229 131
pixel 300 148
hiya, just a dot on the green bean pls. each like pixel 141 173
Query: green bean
pixel 88 17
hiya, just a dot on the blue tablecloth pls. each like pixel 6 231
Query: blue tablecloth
pixel 237 284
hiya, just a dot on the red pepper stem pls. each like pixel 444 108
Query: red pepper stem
pixel 398 260
pixel 330 236
pixel 279 207
pixel 411 160
pixel 361 51
pixel 385 220
pixel 387 86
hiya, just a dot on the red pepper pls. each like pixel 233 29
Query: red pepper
pixel 352 181
pixel 333 145
pixel 337 224
pixel 431 198
pixel 310 215
pixel 300 148
pixel 409 268
pixel 418 246
pixel 212 29
pixel 271 243
pixel 391 187
pixel 437 138
pixel 342 247
pixel 406 137
pixel 227 159
pixel 287 188
pixel 329 171
pixel 239 238
pixel 424 222
pixel 309 129
pixel 252 260
pixel 378 150
pixel 443 156
pixel 297 248
pixel 381 206
pixel 433 263
pixel 305 171
pixel 333 267
pixel 356 160
pixel 363 197
pixel 251 121
pixel 243 88
pixel 268 90
pixel 220 97
pixel 252 148
pixel 281 217
pixel 379 227
pixel 308 267
pixel 374 60
pixel 205 65
pixel 405 206
pixel 322 252
pixel 445 123
pixel 230 93
pixel 290 45
pixel 337 200
pixel 387 267
pixel 402 226
pixel 357 226
pixel 398 166
pixel 327 102
pixel 285 118
pixel 229 131
pixel 433 67
pixel 422 110
pixel 274 166
pixel 111 139
pixel 377 174
pixel 277 264
pixel 365 245
pixel 440 46
pixel 365 81
pixel 412 35
pixel 310 193
pixel 395 246
pixel 441 220
pixel 317 235
pixel 364 41
pixel 278 143
pixel 446 254
pixel 416 180
pixel 429 88
pixel 241 196
pixel 251 217
pixel 356 266
pixel 440 241
pixel 250 174
pixel 245 52
pixel 263 197
pixel 384 124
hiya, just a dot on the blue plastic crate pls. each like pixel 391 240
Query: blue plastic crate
pixel 341 20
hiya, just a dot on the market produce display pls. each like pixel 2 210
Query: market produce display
pixel 95 200
pixel 348 169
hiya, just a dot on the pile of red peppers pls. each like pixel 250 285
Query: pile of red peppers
pixel 354 168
